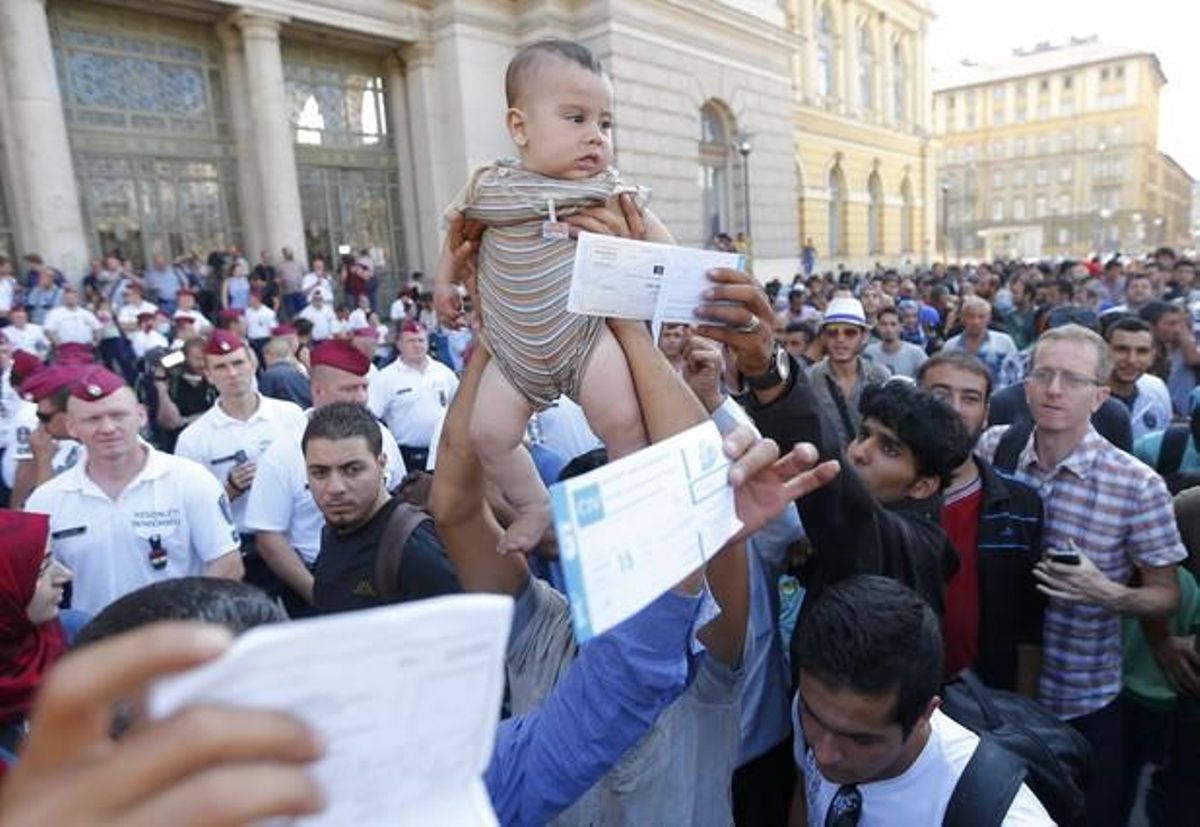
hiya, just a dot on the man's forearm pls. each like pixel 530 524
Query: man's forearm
pixel 287 565
pixel 1149 600
pixel 228 566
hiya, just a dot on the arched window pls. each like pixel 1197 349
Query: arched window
pixel 906 216
pixel 866 69
pixel 899 82
pixel 825 52
pixel 837 211
pixel 714 169
pixel 875 214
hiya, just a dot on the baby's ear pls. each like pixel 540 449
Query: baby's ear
pixel 515 121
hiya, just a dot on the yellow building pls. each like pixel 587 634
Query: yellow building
pixel 864 164
pixel 1053 151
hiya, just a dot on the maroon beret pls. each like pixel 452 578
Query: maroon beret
pixel 96 384
pixel 75 353
pixel 340 354
pixel 412 326
pixel 24 363
pixel 222 342
pixel 364 333
pixel 229 314
pixel 50 380
pixel 283 330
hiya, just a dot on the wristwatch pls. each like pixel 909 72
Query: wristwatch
pixel 778 370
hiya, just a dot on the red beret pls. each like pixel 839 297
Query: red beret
pixel 74 353
pixel 283 330
pixel 340 354
pixel 96 384
pixel 24 364
pixel 222 342
pixel 364 333
pixel 412 326
pixel 50 380
pixel 229 314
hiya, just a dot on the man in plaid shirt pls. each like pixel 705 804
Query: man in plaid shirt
pixel 1115 514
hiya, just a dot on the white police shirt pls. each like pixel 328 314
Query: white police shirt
pixel 144 341
pixel 1151 407
pixel 171 521
pixel 259 322
pixel 219 442
pixel 31 338
pixel 412 402
pixel 280 501
pixel 323 319
pixel 127 313
pixel 76 325
pixel 68 454
pixel 199 323
pixel 564 429
pixel 920 794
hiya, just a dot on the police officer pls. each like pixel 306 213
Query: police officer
pixel 131 515
pixel 41 443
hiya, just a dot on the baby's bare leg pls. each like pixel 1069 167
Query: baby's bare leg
pixel 609 400
pixel 497 424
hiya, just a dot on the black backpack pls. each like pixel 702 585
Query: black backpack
pixel 1019 741
pixel 1170 455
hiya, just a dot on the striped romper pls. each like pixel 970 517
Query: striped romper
pixel 524 278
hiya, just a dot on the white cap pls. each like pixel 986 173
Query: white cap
pixel 844 310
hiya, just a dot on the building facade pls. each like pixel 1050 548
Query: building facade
pixel 865 173
pixel 1053 151
pixel 160 127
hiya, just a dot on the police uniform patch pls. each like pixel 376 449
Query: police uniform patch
pixel 226 508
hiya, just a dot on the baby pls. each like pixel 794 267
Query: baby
pixel 560 118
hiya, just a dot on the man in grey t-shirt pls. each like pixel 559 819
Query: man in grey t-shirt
pixel 898 356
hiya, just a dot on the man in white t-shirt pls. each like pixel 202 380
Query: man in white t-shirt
pixel 279 508
pixel 25 335
pixel 133 306
pixel 872 746
pixel 321 314
pixel 318 281
pixel 70 324
pixel 131 515
pixel 412 393
pixel 190 309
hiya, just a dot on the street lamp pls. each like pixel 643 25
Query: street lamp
pixel 743 146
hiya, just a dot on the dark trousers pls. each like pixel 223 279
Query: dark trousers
pixel 1174 796
pixel 1104 730
pixel 762 788
pixel 1146 732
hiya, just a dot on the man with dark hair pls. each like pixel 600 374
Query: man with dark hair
pixel 871 744
pixel 1131 349
pixel 42 446
pixel 993 620
pixel 900 357
pixel 1139 292
pixel 347 469
pixel 1178 357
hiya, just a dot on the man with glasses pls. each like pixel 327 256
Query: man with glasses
pixel 1111 545
pixel 838 380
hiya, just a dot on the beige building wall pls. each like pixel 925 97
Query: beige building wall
pixel 884 138
pixel 1054 152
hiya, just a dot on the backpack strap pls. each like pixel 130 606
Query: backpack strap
pixel 1012 442
pixel 840 401
pixel 986 788
pixel 1170 452
pixel 405 519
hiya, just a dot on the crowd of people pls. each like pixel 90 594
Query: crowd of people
pixel 965 476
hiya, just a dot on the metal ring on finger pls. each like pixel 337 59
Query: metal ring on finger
pixel 751 326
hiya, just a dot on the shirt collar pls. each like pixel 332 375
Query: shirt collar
pixel 224 420
pixel 76 478
pixel 1079 462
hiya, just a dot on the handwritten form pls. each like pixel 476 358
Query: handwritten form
pixel 629 531
pixel 625 279
pixel 407 698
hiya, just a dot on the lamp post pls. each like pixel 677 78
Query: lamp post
pixel 743 146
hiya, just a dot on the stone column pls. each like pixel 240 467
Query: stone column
pixel 39 138
pixel 282 220
pixel 808 50
pixel 886 98
pixel 850 102
pixel 415 257
pixel 249 183
pixel 920 105
pixel 420 84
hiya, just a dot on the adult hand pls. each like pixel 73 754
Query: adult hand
pixel 462 243
pixel 42 445
pixel 622 219
pixel 738 313
pixel 1082 583
pixel 241 477
pixel 702 364
pixel 765 483
pixel 204 765
pixel 1180 662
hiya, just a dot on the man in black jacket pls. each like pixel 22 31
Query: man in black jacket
pixel 993 619
pixel 880 514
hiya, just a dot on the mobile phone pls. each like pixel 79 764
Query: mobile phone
pixel 1066 558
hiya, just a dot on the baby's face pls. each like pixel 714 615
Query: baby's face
pixel 563 121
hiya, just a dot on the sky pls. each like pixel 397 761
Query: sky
pixel 983 29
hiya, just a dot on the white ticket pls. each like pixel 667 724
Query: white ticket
pixel 631 530
pixel 625 279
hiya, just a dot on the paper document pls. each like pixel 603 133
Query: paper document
pixel 407 698
pixel 626 279
pixel 629 531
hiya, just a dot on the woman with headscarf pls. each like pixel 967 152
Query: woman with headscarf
pixel 31 636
